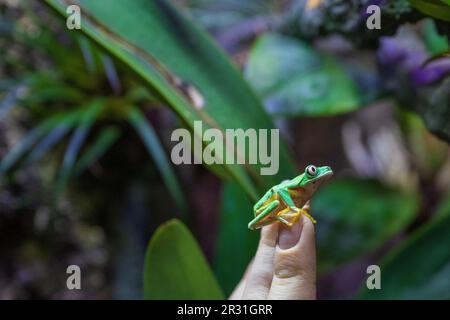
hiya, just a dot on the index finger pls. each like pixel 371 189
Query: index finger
pixel 261 272
pixel 294 275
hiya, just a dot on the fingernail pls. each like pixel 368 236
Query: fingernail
pixel 289 236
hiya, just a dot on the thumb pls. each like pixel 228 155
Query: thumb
pixel 294 275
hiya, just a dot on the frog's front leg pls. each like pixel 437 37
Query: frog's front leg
pixel 286 197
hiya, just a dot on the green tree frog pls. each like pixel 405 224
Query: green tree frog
pixel 286 201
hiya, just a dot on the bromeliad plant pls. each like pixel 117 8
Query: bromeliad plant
pixel 77 110
pixel 184 70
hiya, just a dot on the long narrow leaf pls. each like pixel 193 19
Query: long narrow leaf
pixel 28 141
pixel 105 139
pixel 54 136
pixel 77 141
pixel 433 8
pixel 111 73
pixel 185 69
pixel 10 99
pixel 155 149
pixel 88 57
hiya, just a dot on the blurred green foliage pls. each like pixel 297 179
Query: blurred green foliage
pixel 436 8
pixel 175 267
pixel 295 80
pixel 152 54
pixel 182 55
pixel 70 99
pixel 418 268
pixel 233 221
pixel 357 216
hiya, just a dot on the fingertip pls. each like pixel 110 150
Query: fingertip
pixel 295 267
pixel 269 234
pixel 289 236
pixel 261 271
pixel 307 237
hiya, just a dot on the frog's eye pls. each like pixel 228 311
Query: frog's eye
pixel 311 171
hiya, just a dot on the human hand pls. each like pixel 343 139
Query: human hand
pixel 284 266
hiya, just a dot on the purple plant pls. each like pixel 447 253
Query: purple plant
pixel 407 54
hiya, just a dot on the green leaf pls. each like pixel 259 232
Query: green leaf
pixel 154 147
pixel 33 136
pixel 357 216
pixel 436 43
pixel 175 267
pixel 184 69
pixel 48 90
pixel 434 8
pixel 296 80
pixel 76 142
pixel 111 73
pixel 419 267
pixel 444 207
pixel 88 54
pixel 103 141
pixel 235 242
pixel 55 136
pixel 9 99
pixel 23 145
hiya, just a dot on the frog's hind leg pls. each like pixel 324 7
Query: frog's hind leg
pixel 282 220
pixel 262 203
pixel 262 213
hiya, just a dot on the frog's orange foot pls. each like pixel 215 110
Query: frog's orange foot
pixel 285 215
pixel 306 213
pixel 295 216
pixel 284 221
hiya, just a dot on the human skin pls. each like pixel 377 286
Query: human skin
pixel 284 266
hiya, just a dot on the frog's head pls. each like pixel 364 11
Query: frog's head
pixel 314 177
